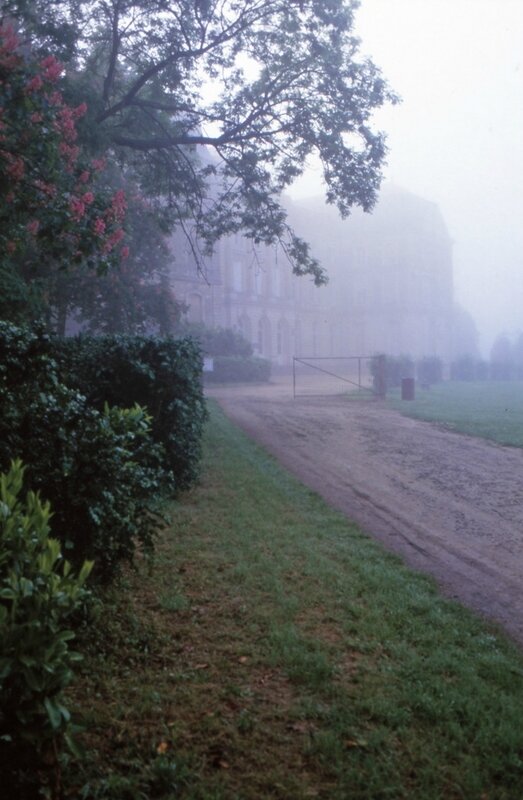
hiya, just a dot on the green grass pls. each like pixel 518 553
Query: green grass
pixel 489 410
pixel 276 652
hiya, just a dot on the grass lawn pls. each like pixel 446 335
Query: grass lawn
pixel 276 652
pixel 491 410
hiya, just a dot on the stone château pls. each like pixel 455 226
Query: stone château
pixel 390 284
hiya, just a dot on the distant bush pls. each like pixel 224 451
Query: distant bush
pixel 38 596
pixel 482 370
pixel 429 370
pixel 218 341
pixel 468 368
pixel 502 371
pixel 396 368
pixel 233 359
pixel 230 369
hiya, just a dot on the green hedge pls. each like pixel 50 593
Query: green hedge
pixel 161 375
pixel 64 410
pixel 229 369
pixel 38 596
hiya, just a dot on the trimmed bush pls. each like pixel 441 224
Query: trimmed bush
pixel 101 473
pixel 429 370
pixel 26 368
pixel 100 469
pixel 162 375
pixel 38 596
pixel 230 369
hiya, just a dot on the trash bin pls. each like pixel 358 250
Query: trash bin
pixel 407 388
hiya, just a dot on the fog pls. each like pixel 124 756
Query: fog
pixel 457 136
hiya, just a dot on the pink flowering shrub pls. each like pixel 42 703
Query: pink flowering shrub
pixel 54 210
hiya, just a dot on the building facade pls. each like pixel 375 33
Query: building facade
pixel 390 284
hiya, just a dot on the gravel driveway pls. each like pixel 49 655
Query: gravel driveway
pixel 449 504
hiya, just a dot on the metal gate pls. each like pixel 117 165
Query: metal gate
pixel 331 375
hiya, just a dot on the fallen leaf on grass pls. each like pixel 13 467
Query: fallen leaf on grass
pixel 162 748
pixel 349 743
pixel 218 759
pixel 301 727
pixel 243 659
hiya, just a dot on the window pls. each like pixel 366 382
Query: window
pixel 237 282
pixel 195 310
pixel 245 327
pixel 264 337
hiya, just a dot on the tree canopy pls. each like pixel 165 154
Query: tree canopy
pixel 214 106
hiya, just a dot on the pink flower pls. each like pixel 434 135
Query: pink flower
pixel 88 198
pixel 124 252
pixel 33 227
pixel 118 206
pixel 80 110
pixel 46 188
pixel 84 176
pixel 36 117
pixel 70 153
pixel 34 85
pixel 113 239
pixel 52 68
pixel 77 208
pixel 56 99
pixel 16 169
pixel 99 226
pixel 65 124
pixel 98 164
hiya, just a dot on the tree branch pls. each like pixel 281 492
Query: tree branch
pixel 232 30
pixel 115 44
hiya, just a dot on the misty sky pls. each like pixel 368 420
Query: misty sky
pixel 457 137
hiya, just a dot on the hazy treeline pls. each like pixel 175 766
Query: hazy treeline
pixel 505 364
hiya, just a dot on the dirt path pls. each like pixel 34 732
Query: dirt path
pixel 450 505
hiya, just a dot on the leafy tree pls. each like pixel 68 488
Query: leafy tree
pixel 465 336
pixel 134 296
pixel 216 106
pixel 501 358
pixel 518 356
